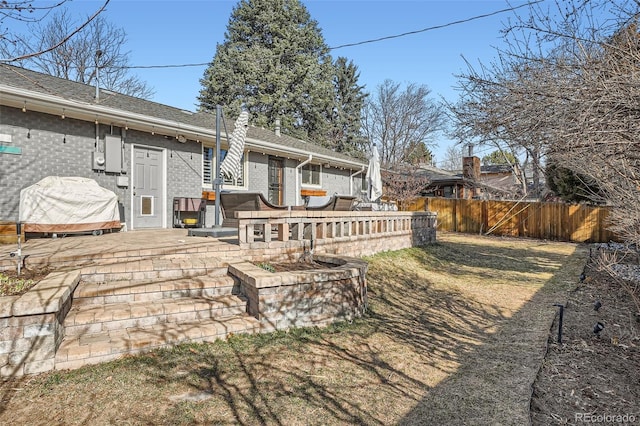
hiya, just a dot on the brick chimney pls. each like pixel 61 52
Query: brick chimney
pixel 277 129
pixel 471 168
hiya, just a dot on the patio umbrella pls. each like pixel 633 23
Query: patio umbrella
pixel 374 180
pixel 231 166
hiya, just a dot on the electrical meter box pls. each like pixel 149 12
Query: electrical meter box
pixel 113 154
pixel 97 160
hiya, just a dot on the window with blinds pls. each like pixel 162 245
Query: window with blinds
pixel 207 167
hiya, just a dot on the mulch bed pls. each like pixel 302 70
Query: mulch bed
pixel 299 266
pixel 592 377
pixel 12 284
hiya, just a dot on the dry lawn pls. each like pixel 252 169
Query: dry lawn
pixel 455 334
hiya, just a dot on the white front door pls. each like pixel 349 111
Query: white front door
pixel 148 190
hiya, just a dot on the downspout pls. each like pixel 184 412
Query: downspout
pixel 97 98
pixel 98 55
pixel 305 162
pixel 97 143
pixel 351 179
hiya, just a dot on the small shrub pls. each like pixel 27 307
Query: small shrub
pixel 267 266
pixel 10 286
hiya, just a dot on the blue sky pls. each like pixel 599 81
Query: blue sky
pixel 164 32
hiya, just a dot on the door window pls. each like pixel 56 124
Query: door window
pixel 275 180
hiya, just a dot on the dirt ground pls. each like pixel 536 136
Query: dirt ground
pixel 592 377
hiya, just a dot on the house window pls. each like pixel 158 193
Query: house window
pixel 208 169
pixel 311 174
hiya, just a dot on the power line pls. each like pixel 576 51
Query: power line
pixel 436 27
pixel 166 66
pixel 375 40
pixel 65 39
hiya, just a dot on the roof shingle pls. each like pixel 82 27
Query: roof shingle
pixel 32 81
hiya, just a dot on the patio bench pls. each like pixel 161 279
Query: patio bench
pixel 232 202
pixel 334 203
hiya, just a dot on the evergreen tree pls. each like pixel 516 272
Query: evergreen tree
pixel 499 157
pixel 419 153
pixel 570 186
pixel 345 133
pixel 275 64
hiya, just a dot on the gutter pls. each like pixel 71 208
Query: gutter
pixel 56 105
pixel 277 149
pixel 41 102
pixel 298 167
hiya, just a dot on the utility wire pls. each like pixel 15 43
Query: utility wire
pixel 166 66
pixel 436 27
pixel 64 40
pixel 375 40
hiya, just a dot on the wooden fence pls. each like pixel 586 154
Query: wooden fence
pixel 551 221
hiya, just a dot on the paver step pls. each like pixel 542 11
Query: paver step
pixel 155 268
pixel 74 259
pixel 101 317
pixel 77 351
pixel 208 285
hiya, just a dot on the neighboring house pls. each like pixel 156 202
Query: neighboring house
pixel 442 183
pixel 145 152
pixel 473 182
pixel 501 180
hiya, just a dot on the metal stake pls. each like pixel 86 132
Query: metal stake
pixel 18 253
pixel 560 321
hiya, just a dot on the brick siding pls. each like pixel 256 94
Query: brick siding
pixel 52 146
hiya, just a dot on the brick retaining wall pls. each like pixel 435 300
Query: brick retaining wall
pixel 31 327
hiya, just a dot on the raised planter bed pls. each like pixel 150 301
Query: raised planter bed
pixel 31 324
pixel 302 298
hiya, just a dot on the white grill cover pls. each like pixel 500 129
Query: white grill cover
pixel 68 204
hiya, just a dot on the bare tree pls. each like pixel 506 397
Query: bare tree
pixel 398 121
pixel 500 106
pixel 452 158
pixel 24 11
pixel 568 89
pixel 402 123
pixel 28 12
pixel 98 44
pixel 404 183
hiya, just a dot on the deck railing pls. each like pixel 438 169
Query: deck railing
pixel 277 227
